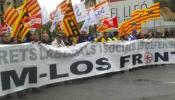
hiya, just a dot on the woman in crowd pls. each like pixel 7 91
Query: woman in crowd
pixel 6 40
pixel 45 38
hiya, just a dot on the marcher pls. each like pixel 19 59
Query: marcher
pixel 6 40
pixel 34 37
pixel 133 35
pixel 115 36
pixel 67 41
pixel 105 38
pixel 45 38
pixel 58 41
pixel 84 37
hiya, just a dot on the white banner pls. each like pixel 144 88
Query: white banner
pixel 33 65
pixel 79 10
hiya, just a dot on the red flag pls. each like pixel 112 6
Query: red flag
pixel 111 22
pixel 36 21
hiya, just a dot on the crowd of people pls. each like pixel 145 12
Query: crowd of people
pixel 60 41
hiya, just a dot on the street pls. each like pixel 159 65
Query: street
pixel 152 83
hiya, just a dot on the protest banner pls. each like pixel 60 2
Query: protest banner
pixel 33 65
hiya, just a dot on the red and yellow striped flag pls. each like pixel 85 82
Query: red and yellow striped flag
pixel 33 7
pixel 133 26
pixel 128 26
pixel 19 29
pixel 151 13
pixel 154 11
pixel 122 28
pixel 23 30
pixel 62 6
pixel 10 16
pixel 138 17
pixel 70 25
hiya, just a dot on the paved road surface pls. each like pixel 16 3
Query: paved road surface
pixel 153 83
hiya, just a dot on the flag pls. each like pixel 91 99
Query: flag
pixel 57 17
pixel 90 20
pixel 62 6
pixel 52 14
pixel 45 16
pixel 122 28
pixel 102 10
pixel 70 25
pixel 133 26
pixel 79 10
pixel 32 14
pixel 111 22
pixel 19 29
pixel 134 23
pixel 26 17
pixel 35 21
pixel 136 16
pixel 33 7
pixel 108 24
pixel 102 29
pixel 23 30
pixel 151 13
pixel 128 26
pixel 10 16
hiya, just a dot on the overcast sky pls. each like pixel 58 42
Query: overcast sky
pixel 50 5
